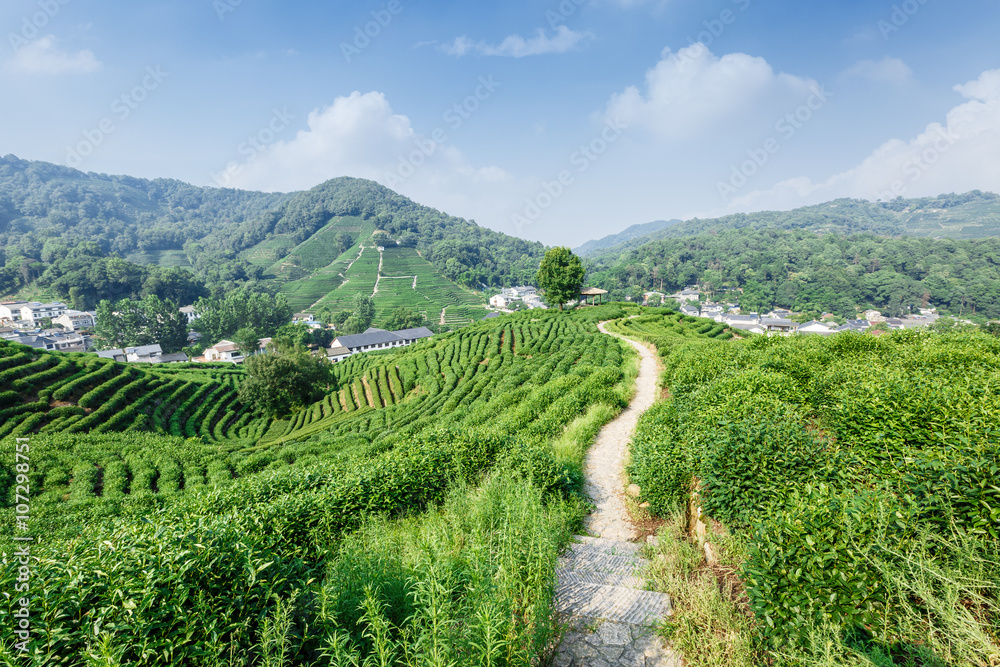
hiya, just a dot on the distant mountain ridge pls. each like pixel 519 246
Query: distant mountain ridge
pixel 635 231
pixel 972 215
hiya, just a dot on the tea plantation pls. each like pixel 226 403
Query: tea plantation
pixel 858 478
pixel 317 274
pixel 413 516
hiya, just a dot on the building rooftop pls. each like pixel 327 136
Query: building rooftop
pixel 370 337
pixel 412 334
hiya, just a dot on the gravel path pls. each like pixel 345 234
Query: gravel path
pixel 601 592
pixel 606 458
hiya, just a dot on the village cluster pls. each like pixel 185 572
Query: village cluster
pixel 55 327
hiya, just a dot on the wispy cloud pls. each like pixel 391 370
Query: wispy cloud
pixel 693 93
pixel 954 156
pixel 887 70
pixel 516 46
pixel 43 56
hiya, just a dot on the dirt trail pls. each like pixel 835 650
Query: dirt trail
pixel 601 590
pixel 606 458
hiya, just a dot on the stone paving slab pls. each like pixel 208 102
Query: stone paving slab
pixel 612 603
pixel 610 644
pixel 600 564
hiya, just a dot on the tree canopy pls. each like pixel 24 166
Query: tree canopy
pixel 805 271
pixel 150 321
pixel 221 318
pixel 279 382
pixel 560 276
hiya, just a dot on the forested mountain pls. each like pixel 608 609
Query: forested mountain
pixel 60 228
pixel 460 249
pixel 806 271
pixel 971 215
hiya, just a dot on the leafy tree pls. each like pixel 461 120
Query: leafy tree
pixel 404 318
pixel 354 325
pixel 292 336
pixel 364 310
pixel 151 321
pixel 248 340
pixel 560 276
pixel 222 318
pixel 279 383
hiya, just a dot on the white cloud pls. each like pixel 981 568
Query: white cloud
pixel 43 56
pixel 957 155
pixel 888 70
pixel 361 136
pixel 692 91
pixel 516 46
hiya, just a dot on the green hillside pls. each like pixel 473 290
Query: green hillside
pixel 319 273
pixel 808 272
pixel 60 227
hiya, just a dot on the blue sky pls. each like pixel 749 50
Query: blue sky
pixel 555 121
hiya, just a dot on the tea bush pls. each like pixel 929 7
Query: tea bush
pixel 834 455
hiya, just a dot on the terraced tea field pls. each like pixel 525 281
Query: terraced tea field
pixel 395 277
pixel 79 393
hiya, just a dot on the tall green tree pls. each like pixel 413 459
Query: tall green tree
pixel 248 340
pixel 151 321
pixel 404 318
pixel 560 276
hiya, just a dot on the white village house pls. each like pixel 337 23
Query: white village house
pixel 73 320
pixel 36 312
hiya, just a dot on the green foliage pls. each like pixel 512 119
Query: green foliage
pixel 813 565
pixel 135 323
pixel 840 459
pixel 734 490
pixel 560 276
pixel 220 319
pixel 279 382
pixel 805 271
pixel 404 318
pixel 434 510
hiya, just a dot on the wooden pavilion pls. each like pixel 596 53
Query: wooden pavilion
pixel 594 294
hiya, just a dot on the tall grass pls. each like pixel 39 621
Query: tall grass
pixel 945 609
pixel 469 584
pixel 708 626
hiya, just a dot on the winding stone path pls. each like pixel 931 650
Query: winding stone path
pixel 599 581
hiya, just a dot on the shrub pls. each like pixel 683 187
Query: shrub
pixel 756 463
